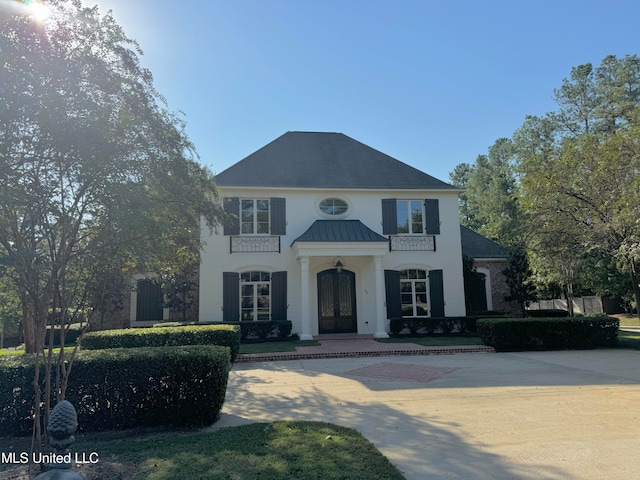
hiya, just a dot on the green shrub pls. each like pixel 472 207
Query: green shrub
pixel 125 388
pixel 261 330
pixel 71 335
pixel 517 334
pixel 548 313
pixel 218 334
pixel 432 325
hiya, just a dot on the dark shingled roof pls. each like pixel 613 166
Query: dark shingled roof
pixel 340 231
pixel 324 160
pixel 475 245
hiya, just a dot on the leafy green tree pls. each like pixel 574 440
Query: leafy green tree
pixel 10 307
pixel 96 175
pixel 588 195
pixel 179 281
pixel 519 279
pixel 579 168
pixel 598 100
pixel 490 203
pixel 601 274
pixel 459 177
pixel 474 287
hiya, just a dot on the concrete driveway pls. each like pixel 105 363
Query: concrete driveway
pixel 540 415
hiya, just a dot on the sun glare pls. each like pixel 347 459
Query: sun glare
pixel 38 10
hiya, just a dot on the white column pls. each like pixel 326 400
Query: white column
pixel 381 329
pixel 304 299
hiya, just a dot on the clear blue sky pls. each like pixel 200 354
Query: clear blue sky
pixel 431 83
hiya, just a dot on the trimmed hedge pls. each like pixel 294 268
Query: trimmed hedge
pixel 126 388
pixel 432 325
pixel 71 337
pixel 548 312
pixel 218 334
pixel 517 334
pixel 263 330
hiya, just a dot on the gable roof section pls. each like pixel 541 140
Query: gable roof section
pixel 324 160
pixel 340 231
pixel 475 245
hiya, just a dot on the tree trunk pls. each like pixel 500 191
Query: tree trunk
pixel 568 294
pixel 27 330
pixel 635 281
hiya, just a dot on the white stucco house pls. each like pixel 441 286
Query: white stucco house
pixel 334 236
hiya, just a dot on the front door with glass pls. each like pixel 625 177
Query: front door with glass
pixel 337 302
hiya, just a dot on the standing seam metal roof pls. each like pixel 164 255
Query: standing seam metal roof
pixel 340 231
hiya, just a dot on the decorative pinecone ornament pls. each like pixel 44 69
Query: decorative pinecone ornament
pixel 63 421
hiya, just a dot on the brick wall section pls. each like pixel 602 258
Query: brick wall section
pixel 114 320
pixel 499 286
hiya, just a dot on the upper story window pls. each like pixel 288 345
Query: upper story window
pixel 333 206
pixel 404 218
pixel 254 216
pixel 410 216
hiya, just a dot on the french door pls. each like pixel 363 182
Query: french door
pixel 337 301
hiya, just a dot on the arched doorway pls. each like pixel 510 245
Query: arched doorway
pixel 337 301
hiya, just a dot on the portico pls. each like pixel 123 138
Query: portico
pixel 347 246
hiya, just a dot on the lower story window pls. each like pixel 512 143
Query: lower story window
pixel 413 290
pixel 255 296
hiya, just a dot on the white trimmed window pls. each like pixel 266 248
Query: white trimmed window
pixel 254 216
pixel 413 291
pixel 255 296
pixel 410 217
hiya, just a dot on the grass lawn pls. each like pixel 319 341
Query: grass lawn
pixel 268 347
pixel 10 351
pixel 628 320
pixel 436 340
pixel 269 451
pixel 629 340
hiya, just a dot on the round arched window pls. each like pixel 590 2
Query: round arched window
pixel 333 206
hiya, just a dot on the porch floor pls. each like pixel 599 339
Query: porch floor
pixel 343 345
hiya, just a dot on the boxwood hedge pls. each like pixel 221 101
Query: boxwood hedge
pixel 263 330
pixel 125 388
pixel 517 334
pixel 223 335
pixel 434 325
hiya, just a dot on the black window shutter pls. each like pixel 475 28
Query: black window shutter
pixel 432 214
pixel 149 300
pixel 232 211
pixel 278 216
pixel 392 290
pixel 436 292
pixel 389 216
pixel 230 296
pixel 279 296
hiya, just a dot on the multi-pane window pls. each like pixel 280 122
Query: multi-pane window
pixel 255 296
pixel 413 290
pixel 254 216
pixel 410 216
